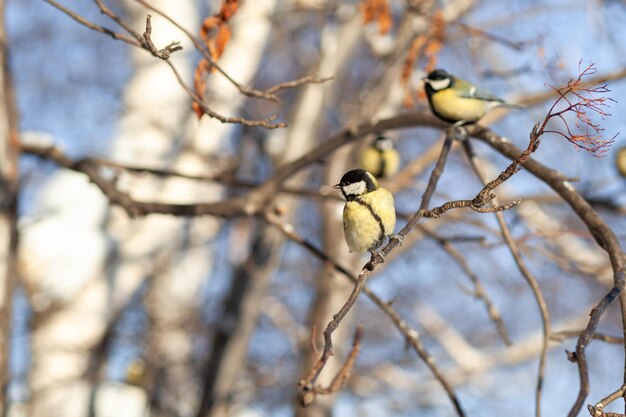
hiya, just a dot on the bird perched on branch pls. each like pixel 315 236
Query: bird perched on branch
pixel 381 157
pixel 457 101
pixel 369 214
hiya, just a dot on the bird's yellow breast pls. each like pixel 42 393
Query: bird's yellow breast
pixel 361 227
pixel 447 104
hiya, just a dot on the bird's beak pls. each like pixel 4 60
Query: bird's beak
pixel 337 186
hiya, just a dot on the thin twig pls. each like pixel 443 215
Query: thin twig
pixel 410 335
pixel 164 53
pixel 471 204
pixel 313 78
pixel 144 41
pixel 227 177
pixel 597 410
pixel 566 334
pixel 228 208
pixel 523 268
pixel 598 228
pixel 342 376
pixel 479 290
pixel 266 123
pixel 93 26
pixel 267 94
pixel 128 28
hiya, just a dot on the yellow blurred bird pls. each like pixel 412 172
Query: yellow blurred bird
pixel 380 157
pixel 620 161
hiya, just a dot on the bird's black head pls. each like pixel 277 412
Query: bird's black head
pixel 437 80
pixel 438 74
pixel 355 183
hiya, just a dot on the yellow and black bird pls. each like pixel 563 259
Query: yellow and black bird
pixel 380 157
pixel 369 214
pixel 620 161
pixel 457 101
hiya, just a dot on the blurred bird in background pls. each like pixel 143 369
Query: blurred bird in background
pixel 380 157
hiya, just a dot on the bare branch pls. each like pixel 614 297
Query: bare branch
pixel 565 334
pixel 164 53
pixel 410 335
pixel 250 92
pixel 479 290
pixel 313 78
pixel 531 280
pixel 109 13
pixel 227 208
pixel 597 410
pixel 307 397
pixel 598 228
pixel 144 41
pixel 115 35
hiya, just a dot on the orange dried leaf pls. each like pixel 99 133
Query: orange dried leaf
pixel 411 57
pixel 433 47
pixel 407 101
pixel 209 24
pixel 431 65
pixel 221 39
pixel 197 109
pixel 414 51
pixel 385 23
pixel 377 11
pixel 439 25
pixel 218 24
pixel 229 7
pixel 199 83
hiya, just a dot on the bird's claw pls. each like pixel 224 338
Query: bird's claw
pixel 377 253
pixel 398 238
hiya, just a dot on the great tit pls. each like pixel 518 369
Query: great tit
pixel 369 214
pixel 381 157
pixel 457 101
pixel 136 372
pixel 620 161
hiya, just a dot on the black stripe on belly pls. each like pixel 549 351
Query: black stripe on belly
pixel 381 166
pixel 381 235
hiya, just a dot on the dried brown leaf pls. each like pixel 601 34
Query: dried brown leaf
pixel 199 83
pixel 377 11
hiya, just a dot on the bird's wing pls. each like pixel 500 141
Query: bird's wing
pixel 467 90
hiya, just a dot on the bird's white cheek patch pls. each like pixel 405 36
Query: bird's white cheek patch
pixel 384 145
pixel 356 188
pixel 439 84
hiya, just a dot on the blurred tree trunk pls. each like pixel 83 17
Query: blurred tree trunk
pixel 8 209
pixel 243 304
pixel 75 304
pixel 171 257
pixel 226 362
pixel 332 290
